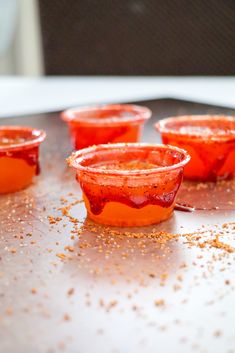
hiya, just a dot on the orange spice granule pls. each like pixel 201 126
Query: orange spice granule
pixel 183 265
pixel 34 291
pixel 201 245
pixel 159 302
pixel 70 291
pixel 164 276
pixel 54 220
pixel 101 302
pixel 9 311
pixel 61 256
pixel 84 245
pixel 69 248
pixel 109 305
pixel 66 317
pixel 176 287
pixel 63 200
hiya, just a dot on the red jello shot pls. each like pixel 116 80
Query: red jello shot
pixel 210 141
pixel 113 123
pixel 129 184
pixel 19 154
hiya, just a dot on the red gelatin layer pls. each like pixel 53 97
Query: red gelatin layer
pixel 210 141
pixel 105 124
pixel 129 184
pixel 19 149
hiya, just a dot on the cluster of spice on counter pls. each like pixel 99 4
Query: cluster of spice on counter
pixel 212 237
pixel 141 258
pixel 144 257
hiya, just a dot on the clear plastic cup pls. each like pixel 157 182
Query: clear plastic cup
pixel 129 184
pixel 113 123
pixel 19 156
pixel 210 141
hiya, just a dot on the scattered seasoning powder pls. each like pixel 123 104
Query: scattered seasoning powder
pixel 180 278
pixel 54 220
pixel 65 211
pixel 112 304
pixel 108 239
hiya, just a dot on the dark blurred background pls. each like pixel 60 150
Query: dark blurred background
pixel 131 37
pixel 138 37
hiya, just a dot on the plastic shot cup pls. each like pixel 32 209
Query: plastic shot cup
pixel 19 156
pixel 93 125
pixel 209 140
pixel 129 184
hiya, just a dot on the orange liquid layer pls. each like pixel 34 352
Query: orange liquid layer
pixel 118 214
pixel 15 174
pixel 84 136
pixel 210 160
pixel 131 205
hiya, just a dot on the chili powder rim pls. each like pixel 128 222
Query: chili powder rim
pixel 161 126
pixel 38 136
pixel 78 157
pixel 140 115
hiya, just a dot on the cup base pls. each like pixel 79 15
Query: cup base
pixel 121 215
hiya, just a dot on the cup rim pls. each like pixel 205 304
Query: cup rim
pixel 38 136
pixel 161 126
pixel 142 114
pixel 77 157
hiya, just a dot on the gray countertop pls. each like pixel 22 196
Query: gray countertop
pixel 109 293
